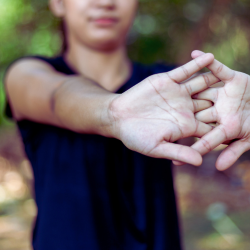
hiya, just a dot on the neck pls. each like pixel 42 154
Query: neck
pixel 109 69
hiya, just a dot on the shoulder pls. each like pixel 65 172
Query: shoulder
pixel 33 65
pixel 25 65
pixel 30 62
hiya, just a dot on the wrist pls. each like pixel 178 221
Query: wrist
pixel 109 122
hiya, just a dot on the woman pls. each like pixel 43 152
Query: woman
pixel 91 191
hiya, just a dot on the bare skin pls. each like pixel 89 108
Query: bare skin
pixel 165 115
pixel 148 118
pixel 231 110
pixel 96 38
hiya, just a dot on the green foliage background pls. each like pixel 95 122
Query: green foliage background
pixel 164 30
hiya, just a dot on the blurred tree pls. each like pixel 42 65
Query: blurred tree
pixel 26 27
pixel 164 30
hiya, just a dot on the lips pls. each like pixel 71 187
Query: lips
pixel 105 21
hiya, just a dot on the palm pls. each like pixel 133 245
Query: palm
pixel 169 117
pixel 158 111
pixel 231 110
pixel 232 107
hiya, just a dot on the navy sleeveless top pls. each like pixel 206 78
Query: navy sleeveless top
pixel 93 193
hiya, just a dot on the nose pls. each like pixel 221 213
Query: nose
pixel 107 4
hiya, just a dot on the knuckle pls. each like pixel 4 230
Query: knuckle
pixel 206 80
pixel 233 76
pixel 215 95
pixel 188 88
pixel 206 144
pixel 185 72
pixel 220 68
pixel 213 114
pixel 198 64
pixel 196 105
pixel 171 77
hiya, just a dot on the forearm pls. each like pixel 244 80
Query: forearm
pixel 38 93
pixel 83 106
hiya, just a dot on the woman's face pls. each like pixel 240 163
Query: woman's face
pixel 99 24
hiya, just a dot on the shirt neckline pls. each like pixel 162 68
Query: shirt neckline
pixel 121 89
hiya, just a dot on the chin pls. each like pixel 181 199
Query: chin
pixel 106 45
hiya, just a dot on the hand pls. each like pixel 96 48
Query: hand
pixel 152 115
pixel 231 110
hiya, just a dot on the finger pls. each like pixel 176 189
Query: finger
pixel 199 83
pixel 211 140
pixel 221 71
pixel 210 94
pixel 202 129
pixel 228 142
pixel 178 163
pixel 207 116
pixel 186 71
pixel 200 105
pixel 177 152
pixel 231 154
pixel 197 53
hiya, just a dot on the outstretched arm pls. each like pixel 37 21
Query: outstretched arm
pixel 147 118
pixel 39 93
pixel 231 111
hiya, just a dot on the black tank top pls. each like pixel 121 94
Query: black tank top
pixel 93 193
